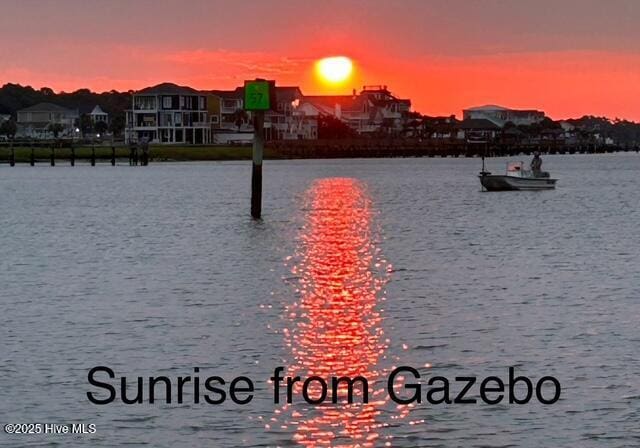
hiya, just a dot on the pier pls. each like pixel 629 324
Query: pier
pixel 67 153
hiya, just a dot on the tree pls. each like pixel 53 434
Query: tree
pixel 8 128
pixel 85 123
pixel 116 126
pixel 240 117
pixel 101 127
pixel 55 128
pixel 333 128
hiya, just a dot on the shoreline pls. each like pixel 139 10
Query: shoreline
pixel 42 152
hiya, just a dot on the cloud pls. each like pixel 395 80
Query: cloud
pixel 251 63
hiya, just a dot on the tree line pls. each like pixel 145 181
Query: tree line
pixel 14 97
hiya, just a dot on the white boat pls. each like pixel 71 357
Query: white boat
pixel 517 178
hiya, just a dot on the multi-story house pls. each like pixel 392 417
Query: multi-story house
pixel 279 123
pixel 168 113
pixel 35 121
pixel 373 111
pixel 229 122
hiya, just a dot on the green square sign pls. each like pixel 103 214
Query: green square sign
pixel 258 94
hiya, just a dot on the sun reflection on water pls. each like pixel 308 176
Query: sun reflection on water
pixel 335 324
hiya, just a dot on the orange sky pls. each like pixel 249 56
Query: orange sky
pixel 567 58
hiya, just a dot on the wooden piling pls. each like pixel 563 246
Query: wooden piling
pixel 113 155
pixel 93 155
pixel 53 156
pixel 73 156
pixel 256 174
pixel 32 159
pixel 12 156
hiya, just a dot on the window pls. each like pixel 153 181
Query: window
pixel 230 104
pixel 166 102
pixel 181 102
pixel 214 119
pixel 201 102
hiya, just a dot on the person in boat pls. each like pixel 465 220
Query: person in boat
pixel 536 164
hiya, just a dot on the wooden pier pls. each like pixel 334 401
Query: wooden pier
pixel 65 153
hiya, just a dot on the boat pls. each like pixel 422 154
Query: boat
pixel 517 178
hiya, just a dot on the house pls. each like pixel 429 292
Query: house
pixel 279 123
pixel 478 130
pixel 230 109
pixel 391 110
pixel 373 111
pixel 353 110
pixel 98 115
pixel 229 122
pixel 441 128
pixel 168 113
pixel 35 121
pixel 500 115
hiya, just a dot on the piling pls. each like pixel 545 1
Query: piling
pixel 113 156
pixel 53 156
pixel 73 156
pixel 12 156
pixel 144 157
pixel 256 174
pixel 93 155
pixel 32 159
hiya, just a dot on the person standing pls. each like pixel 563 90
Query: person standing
pixel 536 164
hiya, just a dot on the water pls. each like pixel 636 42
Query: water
pixel 154 271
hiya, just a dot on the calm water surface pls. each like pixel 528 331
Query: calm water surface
pixel 358 266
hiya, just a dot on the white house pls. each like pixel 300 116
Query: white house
pixel 373 110
pixel 501 115
pixel 98 115
pixel 35 121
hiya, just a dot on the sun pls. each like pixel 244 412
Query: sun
pixel 335 69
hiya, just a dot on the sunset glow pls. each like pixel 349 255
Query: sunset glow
pixel 445 56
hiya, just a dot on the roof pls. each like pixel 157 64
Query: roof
pixel 288 93
pixel 46 107
pixel 478 124
pixel 346 102
pixel 237 93
pixel 98 111
pixel 169 88
pixel 487 107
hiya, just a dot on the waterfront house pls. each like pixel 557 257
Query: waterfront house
pixel 501 115
pixel 36 121
pixel 229 122
pixel 279 123
pixel 478 130
pixel 168 113
pixel 373 111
